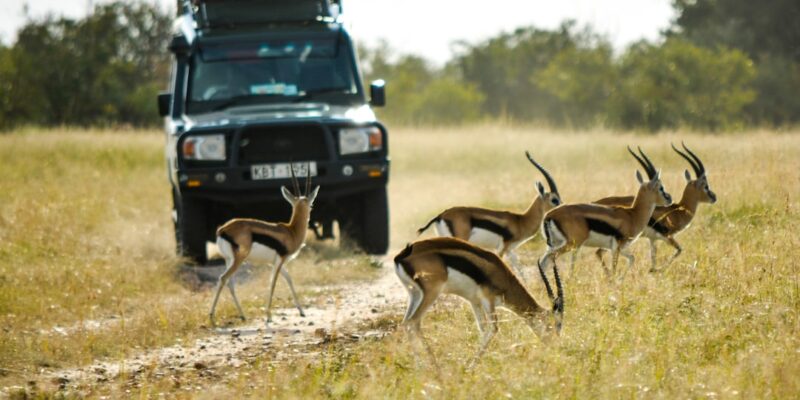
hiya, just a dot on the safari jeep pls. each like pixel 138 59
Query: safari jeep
pixel 259 87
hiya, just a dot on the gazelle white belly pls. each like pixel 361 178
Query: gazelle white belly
pixel 460 284
pixel 442 229
pixel 601 241
pixel 484 238
pixel 259 252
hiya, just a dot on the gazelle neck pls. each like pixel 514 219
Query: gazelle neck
pixel 689 200
pixel 642 208
pixel 301 214
pixel 535 211
pixel 521 301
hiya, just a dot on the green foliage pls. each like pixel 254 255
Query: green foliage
pixel 582 78
pixel 502 68
pixel 680 84
pixel 768 32
pixel 418 94
pixel 86 72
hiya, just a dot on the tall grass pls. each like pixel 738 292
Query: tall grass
pixel 85 234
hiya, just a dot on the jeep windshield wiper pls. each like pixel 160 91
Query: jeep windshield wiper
pixel 235 100
pixel 308 94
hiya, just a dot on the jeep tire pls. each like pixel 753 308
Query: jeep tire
pixel 367 224
pixel 190 228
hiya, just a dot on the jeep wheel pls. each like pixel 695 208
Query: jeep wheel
pixel 190 229
pixel 367 224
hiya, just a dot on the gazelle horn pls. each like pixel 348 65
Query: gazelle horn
pixel 550 181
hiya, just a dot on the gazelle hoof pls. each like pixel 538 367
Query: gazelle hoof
pixel 302 314
pixel 242 318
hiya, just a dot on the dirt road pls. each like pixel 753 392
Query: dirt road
pixel 342 316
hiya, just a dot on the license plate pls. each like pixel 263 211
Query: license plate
pixel 281 170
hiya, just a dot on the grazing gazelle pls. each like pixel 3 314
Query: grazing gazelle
pixel 277 243
pixel 445 265
pixel 502 231
pixel 573 226
pixel 668 221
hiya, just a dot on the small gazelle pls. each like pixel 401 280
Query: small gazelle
pixel 572 226
pixel 444 265
pixel 668 221
pixel 241 239
pixel 501 231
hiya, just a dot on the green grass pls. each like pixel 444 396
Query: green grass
pixel 82 241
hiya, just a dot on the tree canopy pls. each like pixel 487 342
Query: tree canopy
pixel 723 64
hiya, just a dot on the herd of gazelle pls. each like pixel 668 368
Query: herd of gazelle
pixel 467 257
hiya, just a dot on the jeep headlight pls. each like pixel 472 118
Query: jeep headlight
pixel 359 140
pixel 204 148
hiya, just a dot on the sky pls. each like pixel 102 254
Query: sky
pixel 430 27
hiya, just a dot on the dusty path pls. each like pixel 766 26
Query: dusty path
pixel 341 314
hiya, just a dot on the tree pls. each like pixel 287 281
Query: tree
pixel 768 32
pixel 679 84
pixel 582 78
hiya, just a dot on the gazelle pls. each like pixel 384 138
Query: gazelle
pixel 670 220
pixel 430 267
pixel 502 231
pixel 573 226
pixel 241 239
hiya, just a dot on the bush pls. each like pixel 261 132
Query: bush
pixel 679 84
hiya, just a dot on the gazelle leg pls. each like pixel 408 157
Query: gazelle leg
pixel 599 255
pixel 235 299
pixel 630 259
pixel 573 259
pixel 233 264
pixel 512 256
pixel 414 322
pixel 276 268
pixel 288 279
pixel 480 316
pixel 653 262
pixel 489 309
pixel 678 251
pixel 614 261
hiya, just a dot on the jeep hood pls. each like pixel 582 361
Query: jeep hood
pixel 271 113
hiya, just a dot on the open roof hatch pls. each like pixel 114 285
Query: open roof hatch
pixel 211 14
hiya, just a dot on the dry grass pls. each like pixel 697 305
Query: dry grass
pixel 85 235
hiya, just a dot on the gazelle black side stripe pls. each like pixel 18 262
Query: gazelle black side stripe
pixel 491 227
pixel 603 228
pixel 466 267
pixel 658 226
pixel 270 242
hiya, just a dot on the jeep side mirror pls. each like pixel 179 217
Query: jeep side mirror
pixel 163 103
pixel 377 93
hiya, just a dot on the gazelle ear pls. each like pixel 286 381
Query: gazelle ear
pixel 657 176
pixel 639 177
pixel 287 195
pixel 687 175
pixel 313 195
pixel 540 188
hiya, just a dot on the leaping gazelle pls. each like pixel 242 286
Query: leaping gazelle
pixel 502 231
pixel 444 265
pixel 572 226
pixel 241 239
pixel 670 220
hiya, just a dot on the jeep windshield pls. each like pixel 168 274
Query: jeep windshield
pixel 229 74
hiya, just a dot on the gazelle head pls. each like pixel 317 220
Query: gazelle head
pixel 652 188
pixel 303 200
pixel 697 187
pixel 552 198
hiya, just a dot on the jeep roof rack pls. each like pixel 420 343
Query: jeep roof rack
pixel 229 14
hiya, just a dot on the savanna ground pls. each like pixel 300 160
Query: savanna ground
pixel 87 273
